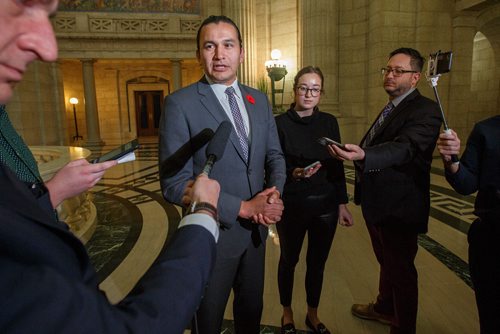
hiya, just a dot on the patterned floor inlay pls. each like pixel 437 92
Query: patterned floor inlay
pixel 450 260
pixel 228 328
pixel 120 220
pixel 118 226
pixel 448 208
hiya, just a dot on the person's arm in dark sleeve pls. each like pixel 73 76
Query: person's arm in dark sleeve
pixel 417 135
pixel 466 179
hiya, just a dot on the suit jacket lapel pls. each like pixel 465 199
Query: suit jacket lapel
pixel 209 100
pixel 214 108
pixel 394 113
pixel 23 204
pixel 398 110
pixel 17 197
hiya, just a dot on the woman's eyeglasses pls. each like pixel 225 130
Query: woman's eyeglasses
pixel 302 90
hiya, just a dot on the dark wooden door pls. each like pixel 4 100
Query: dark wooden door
pixel 148 107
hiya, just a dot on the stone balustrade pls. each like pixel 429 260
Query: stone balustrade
pixel 78 212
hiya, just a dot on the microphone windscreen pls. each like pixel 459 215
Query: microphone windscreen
pixel 174 163
pixel 218 143
pixel 200 140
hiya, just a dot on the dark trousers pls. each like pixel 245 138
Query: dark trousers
pixel 395 249
pixel 245 274
pixel 292 229
pixel 484 263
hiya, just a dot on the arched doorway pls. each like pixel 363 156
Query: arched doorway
pixel 484 80
pixel 146 93
pixel 148 106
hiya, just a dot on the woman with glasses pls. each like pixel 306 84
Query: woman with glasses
pixel 314 195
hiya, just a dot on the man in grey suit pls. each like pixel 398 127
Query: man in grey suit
pixel 251 172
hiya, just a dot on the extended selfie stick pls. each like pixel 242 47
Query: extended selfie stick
pixel 434 71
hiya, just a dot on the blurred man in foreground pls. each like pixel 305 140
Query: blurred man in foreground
pixel 47 283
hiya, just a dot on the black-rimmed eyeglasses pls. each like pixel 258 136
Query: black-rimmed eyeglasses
pixel 397 72
pixel 301 90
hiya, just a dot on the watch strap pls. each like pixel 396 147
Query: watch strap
pixel 204 206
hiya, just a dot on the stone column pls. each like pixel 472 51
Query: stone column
pixel 91 113
pixel 243 14
pixel 59 103
pixel 457 115
pixel 176 73
pixel 318 36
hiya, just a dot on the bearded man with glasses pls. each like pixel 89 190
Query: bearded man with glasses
pixel 393 165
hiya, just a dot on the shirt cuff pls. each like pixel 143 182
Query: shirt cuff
pixel 360 164
pixel 203 220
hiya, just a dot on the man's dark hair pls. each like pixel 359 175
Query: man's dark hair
pixel 306 70
pixel 416 62
pixel 217 19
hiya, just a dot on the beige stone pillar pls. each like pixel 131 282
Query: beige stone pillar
pixel 318 37
pixel 176 74
pixel 243 14
pixel 91 113
pixel 464 30
pixel 59 103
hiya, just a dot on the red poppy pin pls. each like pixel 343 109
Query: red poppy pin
pixel 250 99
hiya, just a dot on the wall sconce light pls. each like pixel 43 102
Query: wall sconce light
pixel 74 102
pixel 276 70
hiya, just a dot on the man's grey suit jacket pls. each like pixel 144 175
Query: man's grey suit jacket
pixel 194 108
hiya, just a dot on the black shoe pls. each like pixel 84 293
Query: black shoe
pixel 288 328
pixel 320 329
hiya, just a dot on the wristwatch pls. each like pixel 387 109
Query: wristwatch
pixel 204 206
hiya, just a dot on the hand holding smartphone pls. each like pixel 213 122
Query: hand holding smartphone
pixel 311 166
pixel 119 152
pixel 308 171
pixel 325 141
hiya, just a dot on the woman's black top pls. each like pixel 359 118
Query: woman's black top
pixel 326 189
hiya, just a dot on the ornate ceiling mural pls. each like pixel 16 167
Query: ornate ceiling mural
pixel 148 6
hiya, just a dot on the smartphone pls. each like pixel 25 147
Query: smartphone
pixel 325 141
pixel 118 152
pixel 314 164
pixel 439 63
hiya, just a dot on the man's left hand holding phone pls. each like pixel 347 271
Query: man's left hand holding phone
pixel 123 153
pixel 79 175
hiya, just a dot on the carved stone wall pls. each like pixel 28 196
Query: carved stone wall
pixel 125 43
pixel 86 23
pixel 150 6
pixel 124 35
pixel 115 99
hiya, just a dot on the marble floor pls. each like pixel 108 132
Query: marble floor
pixel 134 222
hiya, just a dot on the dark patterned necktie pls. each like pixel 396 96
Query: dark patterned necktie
pixel 238 121
pixel 15 153
pixel 383 115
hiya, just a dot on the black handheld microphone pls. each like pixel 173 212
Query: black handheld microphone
pixel 174 163
pixel 216 147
